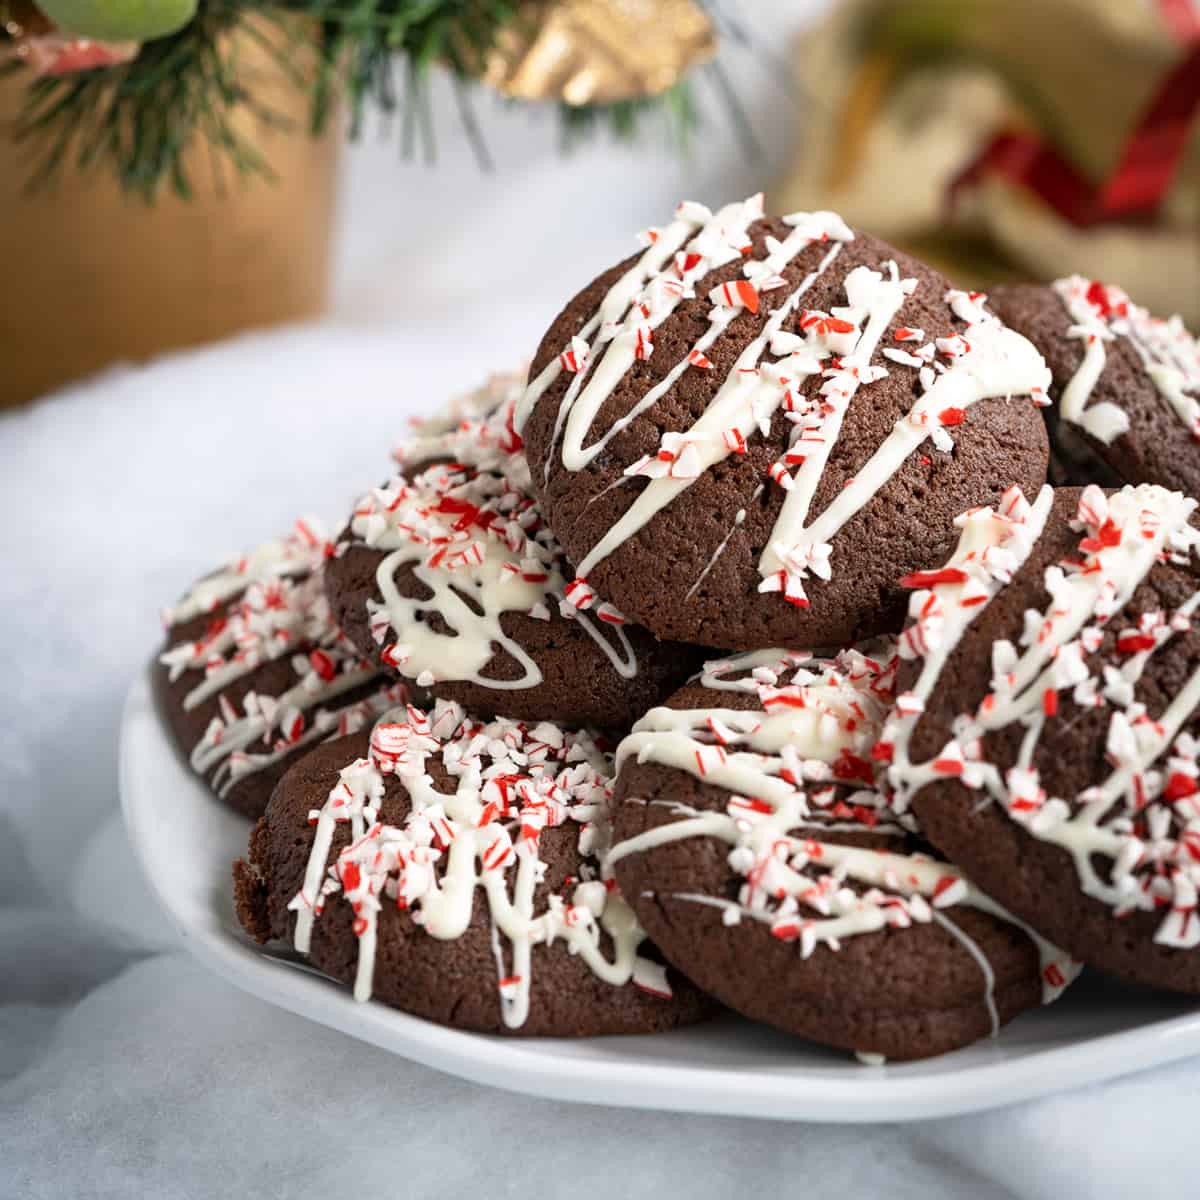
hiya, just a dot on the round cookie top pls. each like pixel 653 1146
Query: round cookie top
pixel 746 435
pixel 255 670
pixel 1045 731
pixel 752 842
pixel 449 576
pixel 451 868
pixel 1126 384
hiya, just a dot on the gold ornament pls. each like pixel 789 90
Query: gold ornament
pixel 598 51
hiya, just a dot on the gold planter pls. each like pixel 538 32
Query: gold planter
pixel 90 276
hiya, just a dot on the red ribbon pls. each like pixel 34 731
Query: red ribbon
pixel 1182 17
pixel 1144 169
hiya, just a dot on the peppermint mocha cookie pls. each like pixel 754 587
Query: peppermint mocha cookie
pixel 1045 734
pixel 1126 384
pixel 449 867
pixel 750 839
pixel 255 671
pixel 449 576
pixel 744 437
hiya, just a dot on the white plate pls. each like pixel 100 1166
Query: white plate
pixel 186 842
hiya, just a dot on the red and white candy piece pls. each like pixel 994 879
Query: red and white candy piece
pixel 575 357
pixel 736 293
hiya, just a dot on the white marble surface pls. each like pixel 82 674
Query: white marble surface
pixel 125 1069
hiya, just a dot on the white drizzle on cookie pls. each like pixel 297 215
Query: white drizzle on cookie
pixel 1142 819
pixel 281 613
pixel 1169 355
pixel 512 782
pixel 984 361
pixel 815 727
pixel 299 553
pixel 468 527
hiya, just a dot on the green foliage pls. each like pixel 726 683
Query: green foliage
pixel 137 119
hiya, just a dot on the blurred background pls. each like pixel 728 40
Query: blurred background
pixel 217 312
pixel 173 172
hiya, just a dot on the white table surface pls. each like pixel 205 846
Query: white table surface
pixel 125 1068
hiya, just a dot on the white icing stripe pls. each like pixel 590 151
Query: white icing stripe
pixel 1168 353
pixel 1105 421
pixel 738 522
pixel 816 722
pixel 876 300
pixel 985 967
pixel 356 799
pixel 511 783
pixel 623 659
pixel 1144 821
pixel 986 361
pixel 992 547
pixel 495 584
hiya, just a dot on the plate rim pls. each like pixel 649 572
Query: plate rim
pixel 834 1095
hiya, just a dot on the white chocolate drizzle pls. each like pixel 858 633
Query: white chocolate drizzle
pixel 985 361
pixel 512 783
pixel 1169 355
pixel 469 529
pixel 281 613
pixel 1134 835
pixel 782 764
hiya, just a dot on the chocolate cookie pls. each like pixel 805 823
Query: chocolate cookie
pixel 1045 735
pixel 255 670
pixel 744 437
pixel 1126 384
pixel 449 576
pixel 449 868
pixel 759 856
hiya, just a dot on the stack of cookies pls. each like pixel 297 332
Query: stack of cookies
pixel 741 655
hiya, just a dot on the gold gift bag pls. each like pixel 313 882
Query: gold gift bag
pixel 92 276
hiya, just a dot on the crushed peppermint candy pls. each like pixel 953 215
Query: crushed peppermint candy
pixel 511 784
pixel 799 772
pixel 837 348
pixel 1169 354
pixel 281 614
pixel 461 517
pixel 1133 833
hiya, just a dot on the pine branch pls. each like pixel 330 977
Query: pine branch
pixel 139 119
